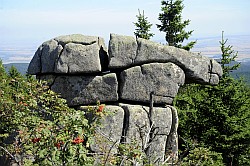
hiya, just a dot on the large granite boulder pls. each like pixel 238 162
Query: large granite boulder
pixel 120 46
pixel 70 54
pixel 164 79
pixel 198 68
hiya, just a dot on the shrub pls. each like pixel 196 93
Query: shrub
pixel 202 156
pixel 37 126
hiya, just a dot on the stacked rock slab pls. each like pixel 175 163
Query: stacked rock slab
pixel 82 70
pixel 69 54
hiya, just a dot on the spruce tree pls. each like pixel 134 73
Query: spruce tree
pixel 172 24
pixel 227 58
pixel 143 27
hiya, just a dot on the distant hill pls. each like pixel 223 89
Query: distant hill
pixel 21 67
pixel 210 46
pixel 243 71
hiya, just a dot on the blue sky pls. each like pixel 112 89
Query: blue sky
pixel 35 21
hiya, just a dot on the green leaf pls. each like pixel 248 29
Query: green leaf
pixel 42 153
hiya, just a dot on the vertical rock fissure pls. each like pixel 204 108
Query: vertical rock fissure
pixel 104 59
pixel 125 125
pixel 40 59
pixel 59 57
pixel 210 70
pixel 98 41
pixel 137 52
pixel 119 88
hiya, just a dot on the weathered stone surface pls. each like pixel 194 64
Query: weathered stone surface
pixel 45 58
pixel 80 90
pixel 109 134
pixel 50 53
pixel 120 46
pixel 139 124
pixel 162 121
pixel 35 65
pixel 78 58
pixel 196 67
pixel 216 72
pixel 70 54
pixel 79 39
pixel 161 78
pixel 214 80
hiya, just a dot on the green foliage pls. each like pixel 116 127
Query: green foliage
pixel 228 57
pixel 143 27
pixel 217 117
pixel 37 126
pixel 202 156
pixel 172 24
pixel 131 154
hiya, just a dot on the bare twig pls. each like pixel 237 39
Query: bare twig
pixel 106 160
pixel 114 143
pixel 13 157
pixel 122 161
pixel 147 140
pixel 106 136
pixel 166 160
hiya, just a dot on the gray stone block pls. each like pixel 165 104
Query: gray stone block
pixel 164 79
pixel 80 90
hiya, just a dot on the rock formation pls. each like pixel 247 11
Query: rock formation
pixel 83 71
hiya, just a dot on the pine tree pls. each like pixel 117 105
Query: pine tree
pixel 172 25
pixel 143 27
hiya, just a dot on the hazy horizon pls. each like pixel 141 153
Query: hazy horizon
pixel 208 46
pixel 26 24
